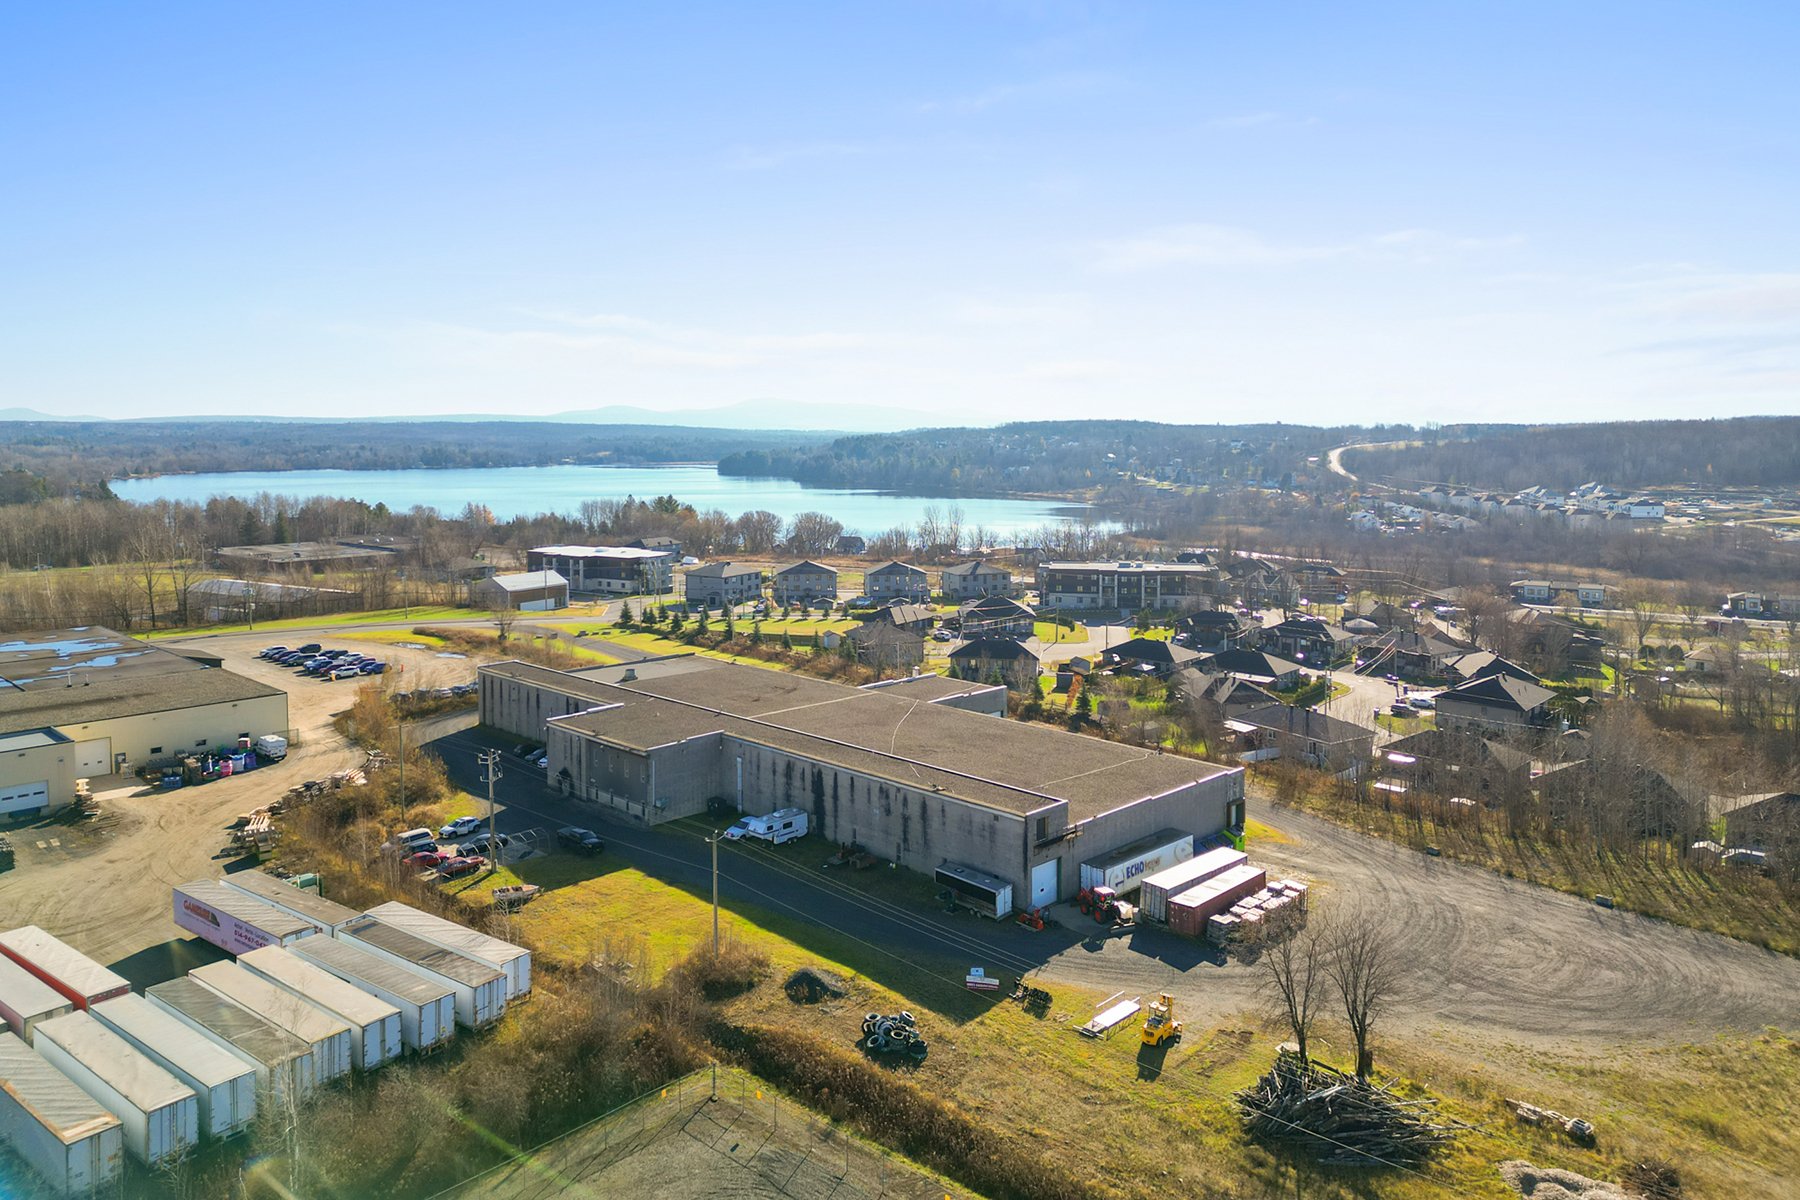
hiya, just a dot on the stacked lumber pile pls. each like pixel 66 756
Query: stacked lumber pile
pixel 1351 1123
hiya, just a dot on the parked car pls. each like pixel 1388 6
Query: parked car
pixel 345 673
pixel 309 648
pixel 582 841
pixel 531 750
pixel 427 860
pixel 1423 702
pixel 541 762
pixel 272 651
pixel 371 668
pixel 1401 709
pixel 942 635
pixel 460 827
pixel 486 843
pixel 456 868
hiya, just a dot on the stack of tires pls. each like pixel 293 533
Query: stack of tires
pixel 895 1035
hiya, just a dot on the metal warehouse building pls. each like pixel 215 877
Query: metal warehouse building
pixel 83 703
pixel 923 782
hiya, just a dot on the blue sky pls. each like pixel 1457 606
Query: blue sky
pixel 889 214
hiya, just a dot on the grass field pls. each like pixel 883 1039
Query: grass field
pixel 1051 632
pixel 1148 1123
pixel 337 620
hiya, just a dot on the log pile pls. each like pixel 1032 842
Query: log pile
pixel 1352 1124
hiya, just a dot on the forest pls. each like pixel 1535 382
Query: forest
pixel 1738 452
pixel 39 459
pixel 1049 457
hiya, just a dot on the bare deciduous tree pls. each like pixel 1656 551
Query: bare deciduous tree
pixel 1364 969
pixel 1294 977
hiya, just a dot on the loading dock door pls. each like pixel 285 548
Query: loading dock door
pixel 25 797
pixel 1043 883
pixel 94 758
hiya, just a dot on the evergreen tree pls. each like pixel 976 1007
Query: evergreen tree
pixel 756 633
pixel 625 620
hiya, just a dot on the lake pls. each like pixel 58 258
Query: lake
pixel 525 491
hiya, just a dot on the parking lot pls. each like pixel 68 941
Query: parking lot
pixel 104 884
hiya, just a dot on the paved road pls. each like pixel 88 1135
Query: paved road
pixel 1483 951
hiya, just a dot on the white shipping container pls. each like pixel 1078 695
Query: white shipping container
pixel 235 921
pixel 25 999
pixel 60 1131
pixel 1125 868
pixel 513 961
pixel 327 1036
pixel 159 1113
pixel 480 989
pixel 374 1023
pixel 283 1063
pixel 1153 900
pixel 427 1008
pixel 307 906
pixel 224 1084
pixel 63 967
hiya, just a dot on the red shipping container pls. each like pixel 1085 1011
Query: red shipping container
pixel 1189 912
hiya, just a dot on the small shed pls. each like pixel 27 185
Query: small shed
pixel 525 591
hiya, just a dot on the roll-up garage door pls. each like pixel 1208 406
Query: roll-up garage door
pixel 23 797
pixel 94 758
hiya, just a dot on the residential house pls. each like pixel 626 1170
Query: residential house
pixel 1633 797
pixel 806 583
pixel 1307 735
pixel 1258 583
pixel 1497 704
pixel 895 580
pixel 719 584
pixel 1762 604
pixel 1479 664
pixel 528 591
pixel 1256 666
pixel 1407 654
pixel 972 580
pixel 886 646
pixel 917 617
pixel 1214 629
pixel 1319 644
pixel 1772 825
pixel 995 616
pixel 850 543
pixel 657 545
pixel 1220 698
pixel 984 658
pixel 1151 656
pixel 1445 763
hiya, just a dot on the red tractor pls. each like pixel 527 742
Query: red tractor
pixel 1103 904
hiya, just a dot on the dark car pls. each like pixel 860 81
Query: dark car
pixel 484 843
pixel 273 651
pixel 583 841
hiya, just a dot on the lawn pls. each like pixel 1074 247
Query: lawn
pixel 335 620
pixel 1721 1108
pixel 1050 631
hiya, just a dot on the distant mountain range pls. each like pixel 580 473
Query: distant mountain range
pixel 745 414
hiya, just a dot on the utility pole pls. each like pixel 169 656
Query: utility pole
pixel 401 725
pixel 714 839
pixel 490 759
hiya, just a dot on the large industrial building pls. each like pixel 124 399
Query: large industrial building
pixel 904 769
pixel 83 703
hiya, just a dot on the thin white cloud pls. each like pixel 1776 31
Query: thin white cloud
pixel 624 340
pixel 1230 246
pixel 1053 87
pixel 767 158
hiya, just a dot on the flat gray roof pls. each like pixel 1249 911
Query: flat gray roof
pixel 74 676
pixel 1010 766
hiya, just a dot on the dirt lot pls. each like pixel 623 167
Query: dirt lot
pixel 103 885
pixel 1484 951
pixel 687 1147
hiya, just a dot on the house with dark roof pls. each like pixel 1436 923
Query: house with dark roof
pixel 898 613
pixel 1304 735
pixel 995 616
pixel 970 580
pixel 657 544
pixel 894 580
pixel 983 659
pixel 1256 666
pixel 805 582
pixel 1309 640
pixel 886 646
pixel 719 584
pixel 1633 797
pixel 1151 656
pixel 1408 654
pixel 1446 763
pixel 1220 698
pixel 1496 704
pixel 1214 629
pixel 1479 664
pixel 1771 825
